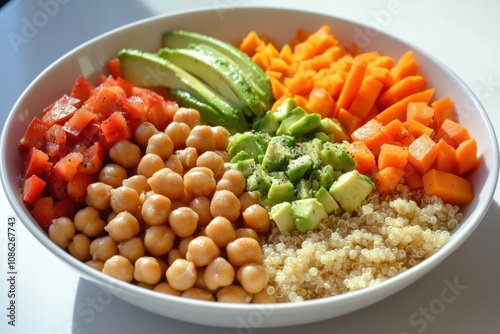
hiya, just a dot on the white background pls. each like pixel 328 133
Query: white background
pixel 53 299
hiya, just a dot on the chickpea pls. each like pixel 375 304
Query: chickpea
pixel 244 250
pixel 156 209
pixel 132 249
pixel 183 245
pixel 178 133
pixel 149 164
pixel 181 275
pixel 226 204
pixel 111 216
pixel 124 199
pixel 174 163
pixel 166 288
pixel 201 138
pixel 248 198
pixel 232 180
pixel 167 183
pixel 221 231
pixel 137 182
pixel 218 273
pixel 97 265
pixel 147 270
pixel 199 181
pixel 89 222
pixel 98 195
pixel 211 160
pixel 221 137
pixel 201 205
pixel 173 255
pixel 257 218
pixel 253 277
pixel 198 293
pixel 189 116
pixel 161 145
pixel 246 232
pixel 119 267
pixel 113 175
pixel 61 231
pixel 186 198
pixel 79 247
pixel 159 240
pixel 233 294
pixel 125 153
pixel 162 263
pixel 123 227
pixel 187 157
pixel 183 221
pixel 262 297
pixel 201 250
pixel 143 132
pixel 146 285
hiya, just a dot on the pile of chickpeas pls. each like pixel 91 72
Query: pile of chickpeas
pixel 167 214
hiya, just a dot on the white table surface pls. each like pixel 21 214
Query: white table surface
pixel 51 298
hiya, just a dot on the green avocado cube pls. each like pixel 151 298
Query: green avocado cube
pixel 351 189
pixel 283 217
pixel 308 214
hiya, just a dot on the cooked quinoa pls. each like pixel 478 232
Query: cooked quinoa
pixel 387 235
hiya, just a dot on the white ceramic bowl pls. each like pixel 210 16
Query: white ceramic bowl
pixel 89 60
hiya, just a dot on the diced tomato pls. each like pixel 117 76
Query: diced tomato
pixel 33 188
pixel 56 142
pixel 82 89
pixel 61 110
pixel 43 212
pixel 34 136
pixel 67 166
pixel 56 185
pixel 127 87
pixel 35 163
pixel 105 100
pixel 65 207
pixel 77 187
pixel 75 125
pixel 158 115
pixel 115 128
pixel 93 158
pixel 136 111
pixel 114 68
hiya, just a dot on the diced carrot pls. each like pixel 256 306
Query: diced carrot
pixel 366 96
pixel 350 121
pixel 452 132
pixel 373 112
pixel 82 89
pixel 278 102
pixel 278 88
pixel 381 61
pixel 406 66
pixel 77 187
pixel 446 159
pixel 401 89
pixel 417 129
pixel 250 43
pixel 365 160
pixel 43 211
pixel 421 112
pixel 352 84
pixel 412 178
pixel 320 102
pixel 451 188
pixel 115 128
pixel 387 179
pixel 301 102
pixel 67 167
pixel 396 130
pixel 382 74
pixel 398 109
pixel 466 154
pixel 35 163
pixel 33 188
pixel 34 136
pixel 60 111
pixel 373 134
pixel 422 153
pixel 315 44
pixel 443 109
pixel 392 156
pixel 277 65
pixel 286 53
pixel 261 60
pixel 301 84
pixel 80 119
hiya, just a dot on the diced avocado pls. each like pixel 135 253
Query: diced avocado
pixel 327 177
pixel 247 167
pixel 278 153
pixel 334 155
pixel 298 168
pixel 324 197
pixel 241 156
pixel 283 110
pixel 256 76
pixel 351 189
pixel 293 116
pixel 281 190
pixel 324 137
pixel 308 214
pixel 333 126
pixel 283 217
pixel 312 148
pixel 305 124
pixel 253 143
pixel 259 180
pixel 267 123
pixel 303 189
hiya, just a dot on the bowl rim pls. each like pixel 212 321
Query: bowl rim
pixel 117 286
